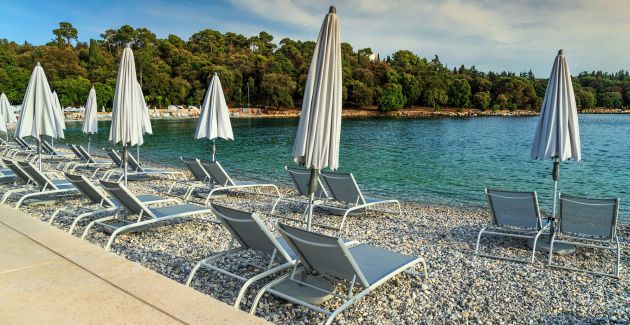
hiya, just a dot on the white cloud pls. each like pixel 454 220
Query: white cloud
pixel 496 35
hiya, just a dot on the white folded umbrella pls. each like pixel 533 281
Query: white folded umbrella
pixel 127 122
pixel 317 139
pixel 37 117
pixel 6 110
pixel 214 120
pixel 90 123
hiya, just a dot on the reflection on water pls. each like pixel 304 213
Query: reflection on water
pixel 447 161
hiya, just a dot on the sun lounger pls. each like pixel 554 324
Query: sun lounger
pixel 200 180
pixel 21 181
pixel 146 217
pixel 250 234
pixel 98 203
pixel 88 161
pixel 514 214
pixel 224 182
pixel 328 262
pixel 346 197
pixel 301 178
pixel 134 169
pixel 591 223
pixel 45 186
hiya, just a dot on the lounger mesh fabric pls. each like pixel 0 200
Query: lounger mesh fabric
pixel 196 169
pixel 592 217
pixel 217 173
pixel 517 209
pixel 343 187
pixel 301 178
pixel 126 198
pixel 88 189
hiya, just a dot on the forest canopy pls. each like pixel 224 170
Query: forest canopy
pixel 256 71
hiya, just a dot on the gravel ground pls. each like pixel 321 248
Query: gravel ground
pixel 461 288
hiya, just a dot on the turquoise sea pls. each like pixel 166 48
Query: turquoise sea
pixel 444 161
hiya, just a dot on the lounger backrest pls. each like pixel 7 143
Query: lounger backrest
pixel 114 156
pixel 321 253
pixel 89 190
pixel 250 232
pixel 518 209
pixel 23 144
pixel 77 153
pixel 127 199
pixel 89 158
pixel 590 217
pixel 198 172
pixel 301 178
pixel 217 173
pixel 40 179
pixel 133 163
pixel 48 148
pixel 17 170
pixel 343 187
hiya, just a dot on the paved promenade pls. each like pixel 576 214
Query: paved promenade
pixel 50 277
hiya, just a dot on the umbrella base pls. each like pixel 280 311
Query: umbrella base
pixel 542 245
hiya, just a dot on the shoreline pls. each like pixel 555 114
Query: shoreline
pixel 460 287
pixel 420 113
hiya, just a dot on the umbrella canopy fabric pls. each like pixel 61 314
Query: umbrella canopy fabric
pixel 60 119
pixel 558 133
pixel 146 119
pixel 317 140
pixel 6 110
pixel 90 124
pixel 127 119
pixel 37 117
pixel 214 120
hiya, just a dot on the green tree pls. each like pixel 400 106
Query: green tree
pixel 481 100
pixel 391 98
pixel 610 99
pixel 277 89
pixel 459 93
pixel 65 33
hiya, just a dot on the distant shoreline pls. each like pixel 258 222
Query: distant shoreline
pixel 409 113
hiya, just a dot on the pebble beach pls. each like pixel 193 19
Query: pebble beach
pixel 461 288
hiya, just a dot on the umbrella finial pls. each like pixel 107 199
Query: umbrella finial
pixel 561 52
pixel 128 45
pixel 215 74
pixel 332 10
pixel 38 64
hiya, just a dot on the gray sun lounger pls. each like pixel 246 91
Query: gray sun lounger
pixel 251 235
pixel 98 203
pixel 146 216
pixel 134 168
pixel 21 181
pixel 514 214
pixel 301 178
pixel 200 178
pixel 52 152
pixel 327 262
pixel 224 182
pixel 44 185
pixel 346 197
pixel 591 223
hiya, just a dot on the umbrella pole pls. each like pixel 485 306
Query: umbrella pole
pixel 39 153
pixel 89 142
pixel 555 175
pixel 312 187
pixel 138 153
pixel 125 163
pixel 214 148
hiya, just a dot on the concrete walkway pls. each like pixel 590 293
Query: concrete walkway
pixel 50 277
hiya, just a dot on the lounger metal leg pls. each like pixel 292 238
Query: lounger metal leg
pixel 91 224
pixel 80 217
pixel 263 290
pixel 478 241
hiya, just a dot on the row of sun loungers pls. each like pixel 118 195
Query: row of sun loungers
pixel 312 267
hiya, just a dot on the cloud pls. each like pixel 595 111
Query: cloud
pixel 497 35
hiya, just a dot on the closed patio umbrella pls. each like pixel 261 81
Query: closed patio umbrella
pixel 214 120
pixel 127 123
pixel 317 139
pixel 60 118
pixel 7 114
pixel 90 123
pixel 557 134
pixel 146 119
pixel 37 117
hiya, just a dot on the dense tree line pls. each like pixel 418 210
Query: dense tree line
pixel 257 71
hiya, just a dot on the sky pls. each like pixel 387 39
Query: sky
pixel 490 34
